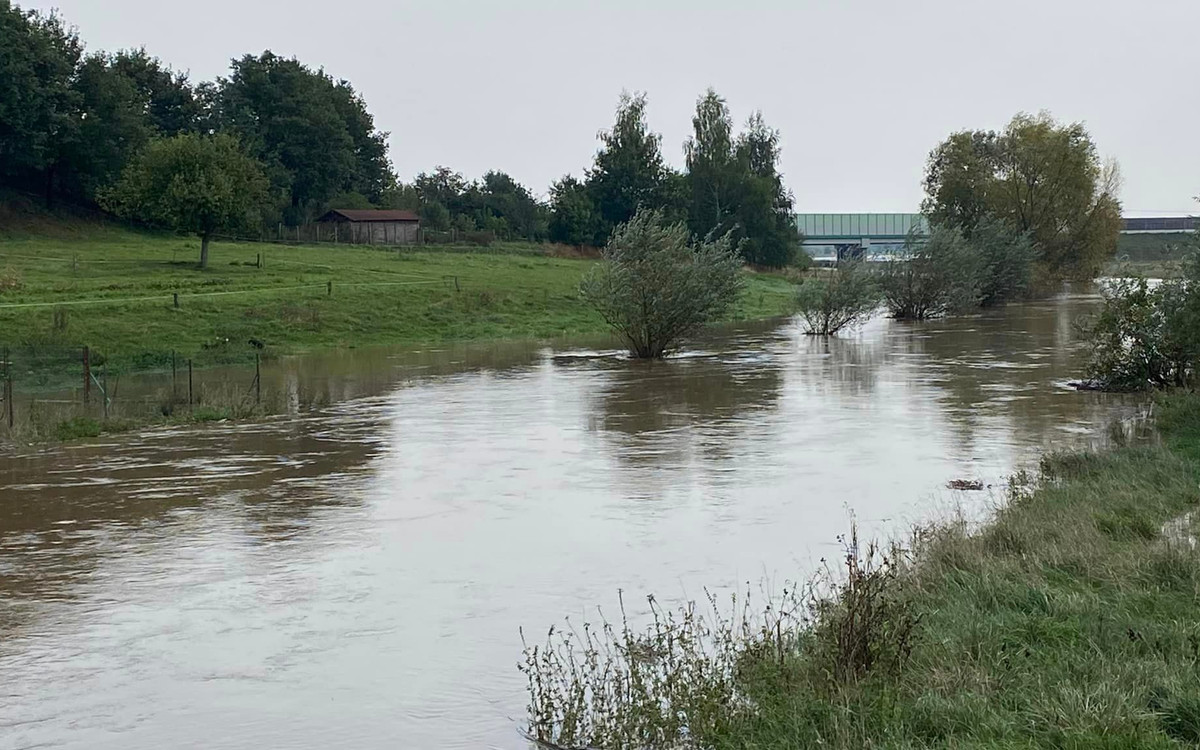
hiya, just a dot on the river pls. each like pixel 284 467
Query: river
pixel 357 575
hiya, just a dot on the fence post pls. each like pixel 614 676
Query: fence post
pixel 87 375
pixel 104 387
pixel 176 295
pixel 8 389
pixel 260 260
pixel 174 390
pixel 189 384
pixel 257 381
pixel 456 286
pixel 329 289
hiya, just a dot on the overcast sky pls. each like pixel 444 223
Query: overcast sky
pixel 861 89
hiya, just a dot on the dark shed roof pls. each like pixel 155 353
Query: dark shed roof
pixel 346 214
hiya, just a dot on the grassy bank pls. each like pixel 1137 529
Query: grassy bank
pixel 66 284
pixel 1071 620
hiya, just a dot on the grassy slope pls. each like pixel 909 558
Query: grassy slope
pixel 379 297
pixel 1073 620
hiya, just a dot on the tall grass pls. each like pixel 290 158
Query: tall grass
pixel 1071 620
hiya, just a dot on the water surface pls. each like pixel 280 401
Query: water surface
pixel 356 576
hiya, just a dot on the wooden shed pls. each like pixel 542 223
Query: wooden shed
pixel 374 226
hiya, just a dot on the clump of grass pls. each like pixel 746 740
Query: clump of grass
pixel 1071 620
pixel 693 676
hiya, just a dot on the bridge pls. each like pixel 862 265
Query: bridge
pixel 829 237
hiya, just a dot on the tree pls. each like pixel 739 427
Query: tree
pixel 845 297
pixel 314 136
pixel 712 167
pixel 38 105
pixel 1043 178
pixel 192 183
pixel 629 172
pixel 573 218
pixel 936 277
pixel 764 210
pixel 735 184
pixel 654 287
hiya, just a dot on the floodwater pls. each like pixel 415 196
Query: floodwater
pixel 356 576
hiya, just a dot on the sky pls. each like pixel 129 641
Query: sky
pixel 861 90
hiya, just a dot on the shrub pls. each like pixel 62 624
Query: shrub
pixel 1006 257
pixel 654 287
pixel 1146 337
pixel 936 277
pixel 846 297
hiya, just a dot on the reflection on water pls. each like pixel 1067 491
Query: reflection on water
pixel 356 576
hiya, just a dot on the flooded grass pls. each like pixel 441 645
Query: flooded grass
pixel 1071 620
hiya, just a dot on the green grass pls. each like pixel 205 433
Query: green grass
pixel 1072 620
pixel 378 296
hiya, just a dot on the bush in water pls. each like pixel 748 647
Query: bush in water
pixel 654 287
pixel 938 276
pixel 846 297
pixel 1147 337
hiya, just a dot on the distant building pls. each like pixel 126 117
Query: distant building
pixel 374 226
pixel 829 237
pixel 1159 225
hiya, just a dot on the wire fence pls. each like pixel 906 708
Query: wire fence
pixel 65 392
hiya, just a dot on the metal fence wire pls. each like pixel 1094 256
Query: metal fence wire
pixel 50 391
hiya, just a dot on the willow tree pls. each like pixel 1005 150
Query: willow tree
pixel 655 287
pixel 199 184
pixel 1043 178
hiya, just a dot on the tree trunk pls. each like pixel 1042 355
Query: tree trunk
pixel 204 251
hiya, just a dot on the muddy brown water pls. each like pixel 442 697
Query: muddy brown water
pixel 356 576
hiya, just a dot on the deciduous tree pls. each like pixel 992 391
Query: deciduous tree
pixel 192 183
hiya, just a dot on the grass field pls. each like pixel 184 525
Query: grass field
pixel 1072 620
pixel 64 285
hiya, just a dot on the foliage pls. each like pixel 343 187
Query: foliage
pixel 573 218
pixel 842 298
pixel 1068 620
pixel 735 185
pixel 38 104
pixel 69 122
pixel 629 172
pixel 655 288
pixel 1147 337
pixel 1043 178
pixel 1006 261
pixel 497 204
pixel 192 183
pixel 935 277
pixel 314 135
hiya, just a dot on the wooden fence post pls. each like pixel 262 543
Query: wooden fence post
pixel 8 389
pixel 257 381
pixel 329 289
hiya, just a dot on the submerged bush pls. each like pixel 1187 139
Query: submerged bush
pixel 936 276
pixel 1147 337
pixel 845 297
pixel 1005 261
pixel 655 287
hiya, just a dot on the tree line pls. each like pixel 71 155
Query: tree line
pixel 91 127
